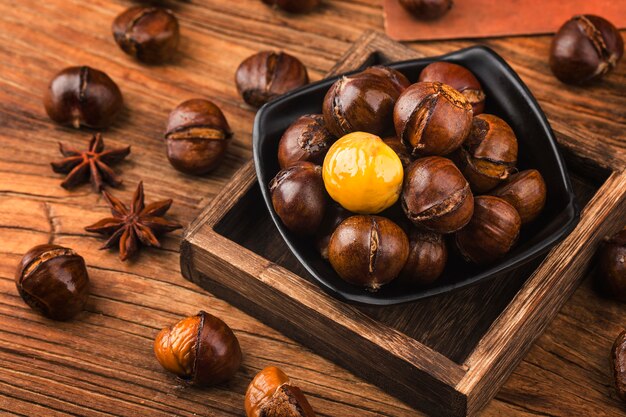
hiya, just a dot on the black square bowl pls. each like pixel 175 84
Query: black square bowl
pixel 507 97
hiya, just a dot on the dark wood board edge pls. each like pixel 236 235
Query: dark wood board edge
pixel 389 359
pixel 552 284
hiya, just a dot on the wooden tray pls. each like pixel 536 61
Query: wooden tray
pixel 447 355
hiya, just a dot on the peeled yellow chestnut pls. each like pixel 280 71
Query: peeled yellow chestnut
pixel 436 196
pixel 489 154
pixel 335 214
pixel 432 118
pixel 427 258
pixel 398 147
pixel 491 233
pixel 53 280
pixel 368 251
pixel 612 266
pixel 294 6
pixel 306 139
pixel 459 78
pixel 299 198
pixel 197 136
pixel 427 9
pixel 201 350
pixel 267 74
pixel 618 363
pixel 526 191
pixel 272 394
pixel 363 101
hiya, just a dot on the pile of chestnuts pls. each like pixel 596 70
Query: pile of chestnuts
pixel 444 181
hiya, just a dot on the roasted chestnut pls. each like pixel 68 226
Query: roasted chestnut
pixel 436 196
pixel 272 394
pixel 197 136
pixel 612 266
pixel 266 75
pixel 201 350
pixel 489 154
pixel 618 363
pixel 491 233
pixel 584 49
pixel 306 139
pixel 427 9
pixel 363 101
pixel 335 214
pixel 83 96
pixel 149 34
pixel 299 198
pixel 432 118
pixel 526 191
pixel 53 280
pixel 398 147
pixel 369 251
pixel 294 6
pixel 459 78
pixel 427 258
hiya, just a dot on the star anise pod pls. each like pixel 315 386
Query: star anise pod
pixel 91 165
pixel 131 228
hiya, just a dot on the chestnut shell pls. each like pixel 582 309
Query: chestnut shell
pixel 294 6
pixel 526 191
pixel 459 78
pixel 612 266
pixel 427 9
pixel 53 280
pixel 618 363
pixel 306 139
pixel 427 259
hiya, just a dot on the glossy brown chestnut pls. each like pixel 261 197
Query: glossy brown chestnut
pixel 363 101
pixel 294 6
pixel 150 34
pixel 436 196
pixel 272 394
pixel 585 48
pixel 491 233
pixel 267 75
pixel 612 266
pixel 83 96
pixel 432 118
pixel 459 78
pixel 368 251
pixel 489 154
pixel 427 258
pixel 427 9
pixel 398 147
pixel 201 350
pixel 307 139
pixel 197 136
pixel 526 191
pixel 53 280
pixel 618 363
pixel 299 197
pixel 335 214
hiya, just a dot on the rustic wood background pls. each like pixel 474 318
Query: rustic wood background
pixel 102 363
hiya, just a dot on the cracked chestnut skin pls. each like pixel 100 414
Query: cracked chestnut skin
pixel 53 280
pixel 459 78
pixel 491 233
pixel 526 191
pixel 427 259
pixel 618 364
pixel 363 101
pixel 436 196
pixel 306 139
pixel 427 9
pixel 294 6
pixel 584 49
pixel 267 75
pixel 299 197
pixel 432 118
pixel 272 394
pixel 398 147
pixel 368 251
pixel 197 137
pixel 150 34
pixel 612 266
pixel 489 153
pixel 83 96
pixel 335 214
pixel 201 350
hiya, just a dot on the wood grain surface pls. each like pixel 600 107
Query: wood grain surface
pixel 102 363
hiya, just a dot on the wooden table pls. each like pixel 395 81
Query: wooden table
pixel 102 362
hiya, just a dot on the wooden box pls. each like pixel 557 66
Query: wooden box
pixel 447 355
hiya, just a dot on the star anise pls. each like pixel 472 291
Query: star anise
pixel 92 164
pixel 131 228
